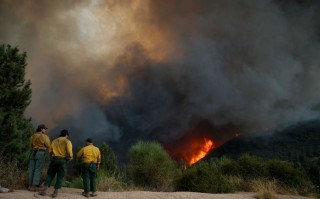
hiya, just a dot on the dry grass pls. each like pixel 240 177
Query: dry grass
pixel 292 191
pixel 110 184
pixel 236 182
pixel 11 176
pixel 265 189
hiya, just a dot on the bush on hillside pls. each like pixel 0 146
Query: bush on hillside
pixel 289 175
pixel 247 173
pixel 203 177
pixel 314 173
pixel 150 166
pixel 251 166
pixel 228 166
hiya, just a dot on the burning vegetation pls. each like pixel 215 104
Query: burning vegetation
pixel 199 150
pixel 191 149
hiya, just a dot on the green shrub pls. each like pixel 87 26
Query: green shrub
pixel 251 166
pixel 314 173
pixel 289 175
pixel 228 166
pixel 203 177
pixel 150 166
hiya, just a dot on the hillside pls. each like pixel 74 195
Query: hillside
pixel 297 143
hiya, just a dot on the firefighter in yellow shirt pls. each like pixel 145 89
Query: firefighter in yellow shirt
pixel 91 159
pixel 61 152
pixel 39 143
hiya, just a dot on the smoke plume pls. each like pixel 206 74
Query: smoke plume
pixel 168 70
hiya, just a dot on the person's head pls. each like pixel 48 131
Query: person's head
pixel 41 128
pixel 88 141
pixel 64 133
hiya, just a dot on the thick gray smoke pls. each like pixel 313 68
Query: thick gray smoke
pixel 168 68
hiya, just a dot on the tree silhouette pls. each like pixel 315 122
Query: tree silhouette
pixel 15 96
pixel 108 159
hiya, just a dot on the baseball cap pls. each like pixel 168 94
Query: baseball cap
pixel 42 126
pixel 89 140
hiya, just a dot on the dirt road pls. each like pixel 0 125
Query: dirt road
pixel 76 194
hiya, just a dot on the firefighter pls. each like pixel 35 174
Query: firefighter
pixel 91 159
pixel 61 153
pixel 39 143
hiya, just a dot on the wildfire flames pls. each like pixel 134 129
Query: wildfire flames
pixel 201 149
pixel 191 150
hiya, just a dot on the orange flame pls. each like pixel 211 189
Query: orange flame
pixel 207 146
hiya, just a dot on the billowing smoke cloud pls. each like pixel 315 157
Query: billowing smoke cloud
pixel 123 70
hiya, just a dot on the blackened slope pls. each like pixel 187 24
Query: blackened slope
pixel 297 143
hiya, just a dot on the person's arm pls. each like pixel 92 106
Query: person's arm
pixel 69 150
pixel 80 153
pixel 47 142
pixel 98 159
pixel 51 150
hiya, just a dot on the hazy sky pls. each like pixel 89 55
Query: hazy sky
pixel 120 70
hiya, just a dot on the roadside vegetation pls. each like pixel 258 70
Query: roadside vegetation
pixel 151 169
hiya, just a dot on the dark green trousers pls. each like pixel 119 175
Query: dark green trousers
pixel 57 167
pixel 36 163
pixel 89 177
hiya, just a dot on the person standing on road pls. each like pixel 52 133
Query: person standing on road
pixel 39 143
pixel 91 159
pixel 61 153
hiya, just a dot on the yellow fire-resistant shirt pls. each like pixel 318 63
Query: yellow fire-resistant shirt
pixel 90 154
pixel 61 148
pixel 39 141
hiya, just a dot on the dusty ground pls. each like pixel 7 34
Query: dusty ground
pixel 76 194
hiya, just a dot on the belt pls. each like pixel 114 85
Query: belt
pixel 56 157
pixel 90 163
pixel 39 149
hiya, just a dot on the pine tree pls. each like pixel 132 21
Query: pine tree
pixel 15 96
pixel 108 159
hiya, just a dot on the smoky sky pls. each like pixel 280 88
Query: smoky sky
pixel 120 71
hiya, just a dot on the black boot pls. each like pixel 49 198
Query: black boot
pixel 55 193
